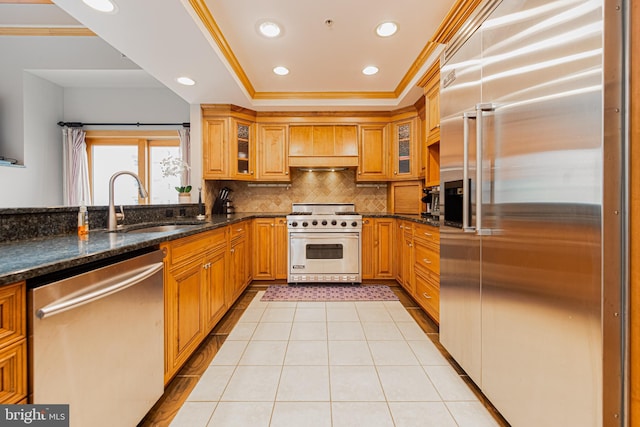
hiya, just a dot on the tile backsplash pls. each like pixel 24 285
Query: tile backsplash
pixel 305 187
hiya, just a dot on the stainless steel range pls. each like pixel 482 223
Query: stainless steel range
pixel 324 243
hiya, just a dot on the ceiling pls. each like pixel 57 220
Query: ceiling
pixel 216 43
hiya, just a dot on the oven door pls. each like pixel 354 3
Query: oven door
pixel 326 253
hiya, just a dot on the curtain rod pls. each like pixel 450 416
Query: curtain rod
pixel 80 124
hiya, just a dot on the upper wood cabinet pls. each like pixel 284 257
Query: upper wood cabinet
pixel 215 162
pixel 431 84
pixel 242 150
pixel 228 143
pixel 405 153
pixel 323 145
pixel 373 153
pixel 273 149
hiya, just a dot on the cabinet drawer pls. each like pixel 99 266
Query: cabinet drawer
pixel 13 373
pixel 12 313
pixel 427 257
pixel 238 230
pixel 183 250
pixel 428 233
pixel 428 293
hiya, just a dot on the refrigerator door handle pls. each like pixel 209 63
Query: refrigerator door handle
pixel 465 173
pixel 480 108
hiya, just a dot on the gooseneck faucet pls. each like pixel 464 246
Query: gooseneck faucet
pixel 112 219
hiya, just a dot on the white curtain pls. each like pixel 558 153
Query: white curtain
pixel 75 167
pixel 185 155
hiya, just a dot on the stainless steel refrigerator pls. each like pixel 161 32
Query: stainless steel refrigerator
pixel 530 298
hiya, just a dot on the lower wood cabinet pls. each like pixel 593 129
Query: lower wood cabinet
pixel 407 258
pixel 13 343
pixel 270 247
pixel 417 257
pixel 377 248
pixel 194 293
pixel 239 262
pixel 426 241
pixel 282 249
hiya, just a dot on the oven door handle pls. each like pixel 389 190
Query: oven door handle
pixel 324 235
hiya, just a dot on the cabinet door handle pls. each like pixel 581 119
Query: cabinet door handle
pixel 426 261
pixel 286 173
pixel 239 230
pixel 410 245
pixel 233 250
pixel 424 294
pixel 401 227
pixel 428 234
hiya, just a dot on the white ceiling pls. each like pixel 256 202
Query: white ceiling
pixel 170 38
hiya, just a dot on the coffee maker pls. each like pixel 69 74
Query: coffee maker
pixel 431 199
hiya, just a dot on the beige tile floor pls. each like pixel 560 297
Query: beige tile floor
pixel 330 364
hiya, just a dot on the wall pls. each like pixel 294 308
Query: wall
pixel 305 187
pixel 130 105
pixel 43 155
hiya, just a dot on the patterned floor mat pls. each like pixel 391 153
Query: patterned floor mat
pixel 329 293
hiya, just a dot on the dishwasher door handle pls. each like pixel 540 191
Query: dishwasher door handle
pixel 133 278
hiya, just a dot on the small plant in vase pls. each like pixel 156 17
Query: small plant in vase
pixel 183 194
pixel 172 166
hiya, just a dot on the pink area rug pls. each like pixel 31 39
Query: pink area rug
pixel 329 293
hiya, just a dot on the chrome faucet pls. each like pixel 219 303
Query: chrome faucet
pixel 112 219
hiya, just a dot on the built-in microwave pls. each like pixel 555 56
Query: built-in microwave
pixel 453 198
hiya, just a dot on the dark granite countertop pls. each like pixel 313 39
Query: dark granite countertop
pixel 407 217
pixel 27 259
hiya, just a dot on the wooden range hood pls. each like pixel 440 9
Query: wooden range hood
pixel 323 146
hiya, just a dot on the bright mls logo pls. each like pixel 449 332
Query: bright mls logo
pixel 34 415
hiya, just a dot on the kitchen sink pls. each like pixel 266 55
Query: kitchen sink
pixel 161 228
pixel 157 228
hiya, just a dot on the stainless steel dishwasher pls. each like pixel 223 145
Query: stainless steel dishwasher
pixel 96 341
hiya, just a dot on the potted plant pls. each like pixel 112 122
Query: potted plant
pixel 183 194
pixel 172 166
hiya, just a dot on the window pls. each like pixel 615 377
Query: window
pixel 110 152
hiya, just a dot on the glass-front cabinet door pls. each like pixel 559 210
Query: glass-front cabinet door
pixel 405 150
pixel 243 151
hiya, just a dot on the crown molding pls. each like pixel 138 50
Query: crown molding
pixel 46 31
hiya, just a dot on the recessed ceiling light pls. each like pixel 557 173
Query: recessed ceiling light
pixel 386 29
pixel 281 71
pixel 185 81
pixel 269 29
pixel 370 70
pixel 107 6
